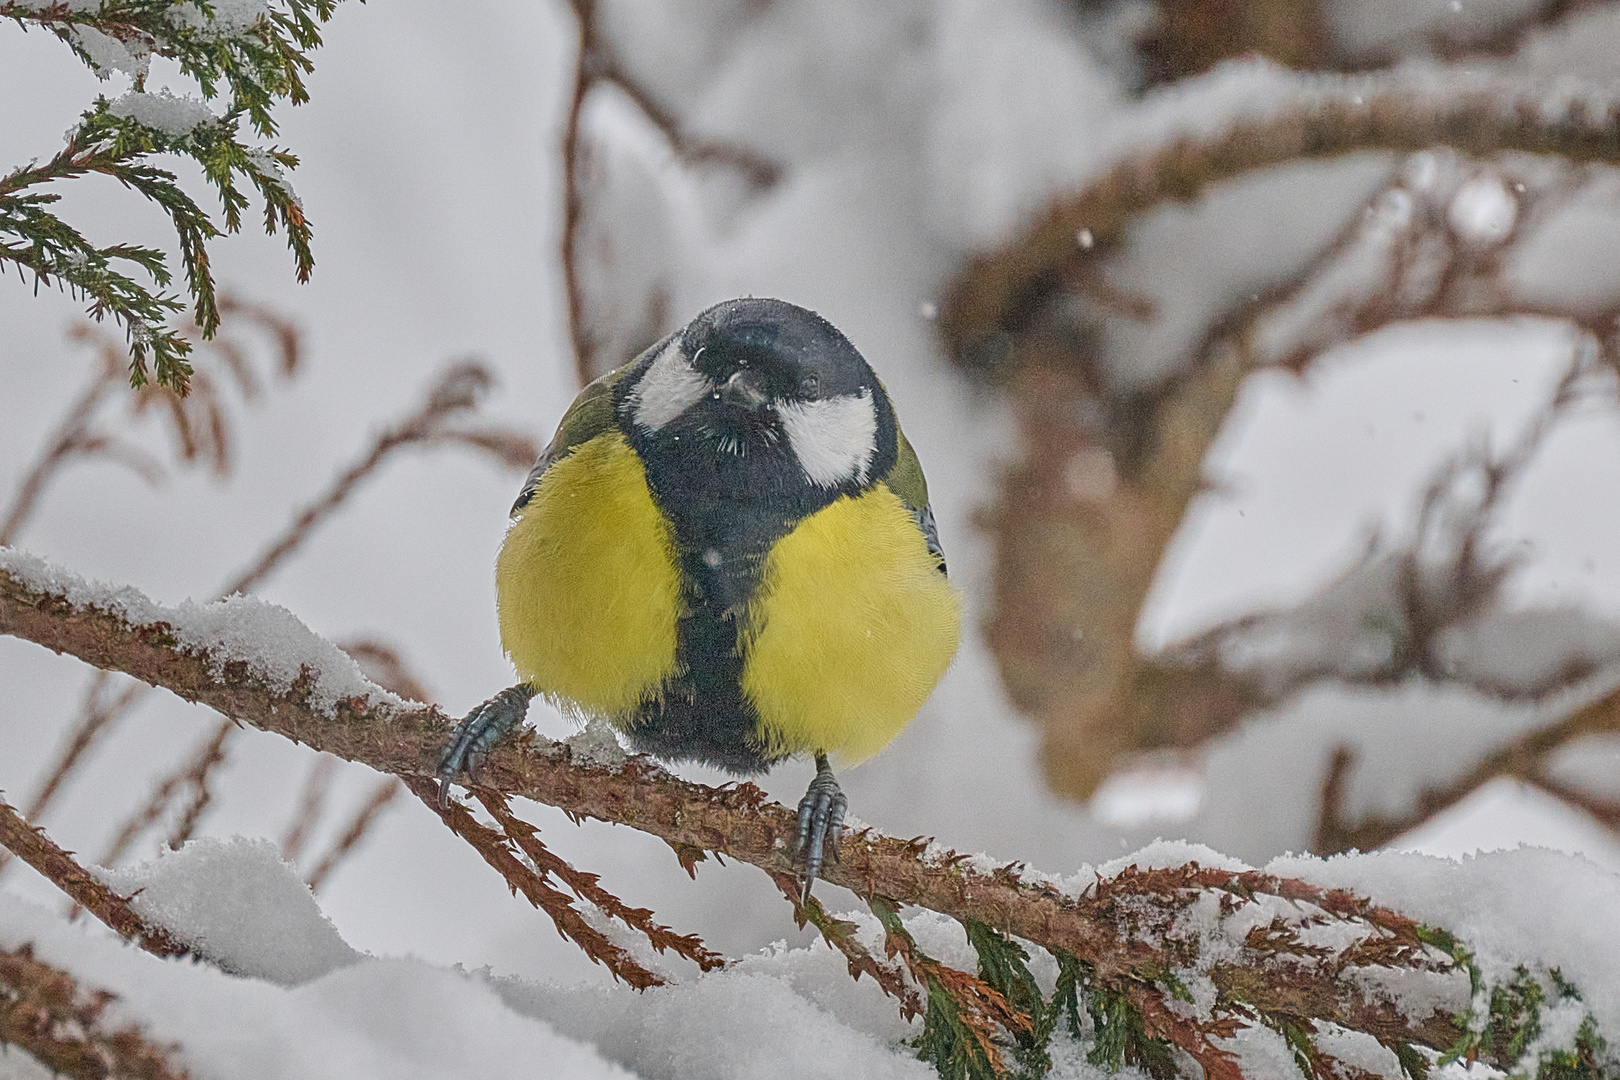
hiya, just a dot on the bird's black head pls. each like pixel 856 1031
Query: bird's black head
pixel 761 400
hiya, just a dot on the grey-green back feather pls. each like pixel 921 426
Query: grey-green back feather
pixel 906 480
pixel 590 415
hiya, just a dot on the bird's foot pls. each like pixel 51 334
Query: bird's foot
pixel 470 743
pixel 821 822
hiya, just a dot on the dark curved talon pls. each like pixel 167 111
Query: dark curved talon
pixel 821 823
pixel 470 743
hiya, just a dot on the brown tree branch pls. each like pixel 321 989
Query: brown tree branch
pixel 587 887
pixel 597 63
pixel 1524 758
pixel 33 847
pixel 39 605
pixel 48 1014
pixel 994 294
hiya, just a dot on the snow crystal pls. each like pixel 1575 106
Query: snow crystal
pixel 271 168
pixel 239 904
pixel 270 640
pixel 162 111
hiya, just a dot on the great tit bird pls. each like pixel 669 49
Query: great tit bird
pixel 727 552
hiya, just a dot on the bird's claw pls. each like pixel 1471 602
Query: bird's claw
pixel 821 823
pixel 472 739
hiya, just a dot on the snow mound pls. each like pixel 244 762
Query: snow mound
pixel 238 904
pixel 270 640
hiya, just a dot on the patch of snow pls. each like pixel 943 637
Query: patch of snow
pixel 108 54
pixel 270 640
pixel 1133 798
pixel 1483 210
pixel 238 904
pixel 597 744
pixel 162 111
pixel 228 18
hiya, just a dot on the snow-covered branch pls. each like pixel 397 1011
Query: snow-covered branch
pixel 1190 954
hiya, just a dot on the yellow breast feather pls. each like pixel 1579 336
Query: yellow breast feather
pixel 851 628
pixel 587 588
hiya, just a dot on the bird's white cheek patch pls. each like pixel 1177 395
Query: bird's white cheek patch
pixel 833 439
pixel 668 388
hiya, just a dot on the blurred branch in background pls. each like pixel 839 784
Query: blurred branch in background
pixel 604 333
pixel 1112 466
pixel 47 1013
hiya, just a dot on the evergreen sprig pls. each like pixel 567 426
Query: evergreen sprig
pixel 251 54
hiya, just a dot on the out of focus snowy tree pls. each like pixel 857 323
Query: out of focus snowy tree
pixel 1262 358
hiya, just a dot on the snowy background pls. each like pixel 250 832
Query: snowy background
pixel 910 135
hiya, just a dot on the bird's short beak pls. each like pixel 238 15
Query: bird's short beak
pixel 744 390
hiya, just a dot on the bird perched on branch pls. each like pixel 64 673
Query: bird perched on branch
pixel 727 552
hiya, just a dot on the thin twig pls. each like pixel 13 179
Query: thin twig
pixel 1523 758
pixel 316 785
pixel 456 390
pixel 382 796
pixel 70 439
pixel 193 773
pixel 597 63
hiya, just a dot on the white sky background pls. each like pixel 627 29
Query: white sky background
pixel 430 175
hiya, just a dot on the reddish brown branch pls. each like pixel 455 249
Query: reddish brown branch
pixel 495 850
pixel 737 820
pixel 455 391
pixel 33 847
pixel 840 934
pixel 48 1014
pixel 994 293
pixel 596 63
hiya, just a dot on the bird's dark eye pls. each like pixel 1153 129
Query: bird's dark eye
pixel 809 386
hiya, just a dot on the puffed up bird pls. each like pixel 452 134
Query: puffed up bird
pixel 727 552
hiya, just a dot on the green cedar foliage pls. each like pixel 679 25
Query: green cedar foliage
pixel 249 55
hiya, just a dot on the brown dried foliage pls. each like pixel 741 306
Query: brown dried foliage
pixel 840 934
pixel 48 1014
pixel 587 887
pixel 497 850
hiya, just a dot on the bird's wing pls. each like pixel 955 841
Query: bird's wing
pixel 589 416
pixel 906 480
